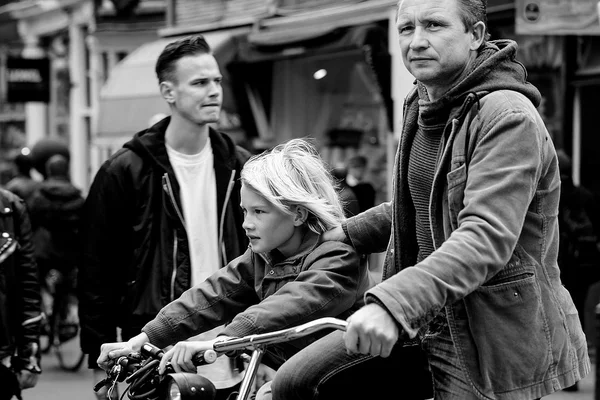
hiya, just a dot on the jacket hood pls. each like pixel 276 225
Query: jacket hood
pixel 58 188
pixel 150 145
pixel 495 68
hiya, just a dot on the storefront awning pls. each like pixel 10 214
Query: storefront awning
pixel 256 50
pixel 130 98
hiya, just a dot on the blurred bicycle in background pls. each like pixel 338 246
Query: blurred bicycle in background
pixel 60 329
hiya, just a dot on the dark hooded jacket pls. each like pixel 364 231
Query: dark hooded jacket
pixel 55 210
pixel 135 252
pixel 493 216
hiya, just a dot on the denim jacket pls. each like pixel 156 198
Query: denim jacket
pixel 493 210
pixel 258 293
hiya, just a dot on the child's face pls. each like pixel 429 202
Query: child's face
pixel 267 227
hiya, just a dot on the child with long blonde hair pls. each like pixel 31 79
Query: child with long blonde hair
pixel 287 277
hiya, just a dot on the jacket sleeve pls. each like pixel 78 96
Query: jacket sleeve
pixel 328 285
pixel 207 305
pixel 370 231
pixel 106 254
pixel 29 287
pixel 503 174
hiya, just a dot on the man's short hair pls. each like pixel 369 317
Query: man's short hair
pixel 57 166
pixel 189 46
pixel 473 11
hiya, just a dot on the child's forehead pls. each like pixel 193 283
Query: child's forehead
pixel 252 197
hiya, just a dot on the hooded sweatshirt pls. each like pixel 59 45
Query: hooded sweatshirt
pixel 135 250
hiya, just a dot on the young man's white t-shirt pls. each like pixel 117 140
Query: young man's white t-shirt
pixel 198 191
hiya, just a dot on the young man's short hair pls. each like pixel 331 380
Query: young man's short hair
pixel 189 46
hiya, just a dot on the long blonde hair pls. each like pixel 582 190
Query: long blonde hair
pixel 293 173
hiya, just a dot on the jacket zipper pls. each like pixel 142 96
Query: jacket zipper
pixel 169 189
pixel 222 222
pixel 33 320
pixel 174 273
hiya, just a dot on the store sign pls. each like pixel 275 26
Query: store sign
pixel 557 17
pixel 27 80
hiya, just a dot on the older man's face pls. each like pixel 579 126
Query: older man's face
pixel 436 47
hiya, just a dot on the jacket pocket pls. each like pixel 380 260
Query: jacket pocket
pixel 456 180
pixel 509 333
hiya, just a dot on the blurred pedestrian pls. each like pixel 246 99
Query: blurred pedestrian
pixel 163 213
pixel 471 234
pixel 20 304
pixel 55 209
pixel 23 184
pixel 347 196
pixel 578 254
pixel 355 179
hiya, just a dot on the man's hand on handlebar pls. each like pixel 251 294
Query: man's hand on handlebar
pixel 371 330
pixel 181 355
pixel 110 352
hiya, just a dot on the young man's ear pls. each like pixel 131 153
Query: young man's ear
pixel 300 215
pixel 166 90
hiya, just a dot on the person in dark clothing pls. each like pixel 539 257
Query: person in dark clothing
pixel 23 185
pixel 20 301
pixel 578 254
pixel 163 213
pixel 347 196
pixel 55 209
pixel 363 190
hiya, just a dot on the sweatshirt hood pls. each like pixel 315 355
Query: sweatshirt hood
pixel 59 188
pixel 150 145
pixel 494 68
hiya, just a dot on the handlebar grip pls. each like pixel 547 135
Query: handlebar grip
pixel 204 357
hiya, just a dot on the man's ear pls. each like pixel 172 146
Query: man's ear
pixel 300 215
pixel 166 90
pixel 478 35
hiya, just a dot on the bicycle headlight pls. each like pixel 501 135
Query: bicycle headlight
pixel 188 386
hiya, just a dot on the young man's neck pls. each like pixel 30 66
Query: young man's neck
pixel 186 137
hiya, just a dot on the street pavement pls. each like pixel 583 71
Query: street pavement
pixel 56 384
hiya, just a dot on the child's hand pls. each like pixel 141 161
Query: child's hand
pixel 181 355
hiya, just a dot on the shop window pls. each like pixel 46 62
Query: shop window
pixel 336 101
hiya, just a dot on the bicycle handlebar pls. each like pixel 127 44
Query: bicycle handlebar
pixel 284 335
pixel 133 367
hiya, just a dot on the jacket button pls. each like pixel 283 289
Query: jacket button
pixel 271 272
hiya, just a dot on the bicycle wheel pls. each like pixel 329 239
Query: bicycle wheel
pixel 66 333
